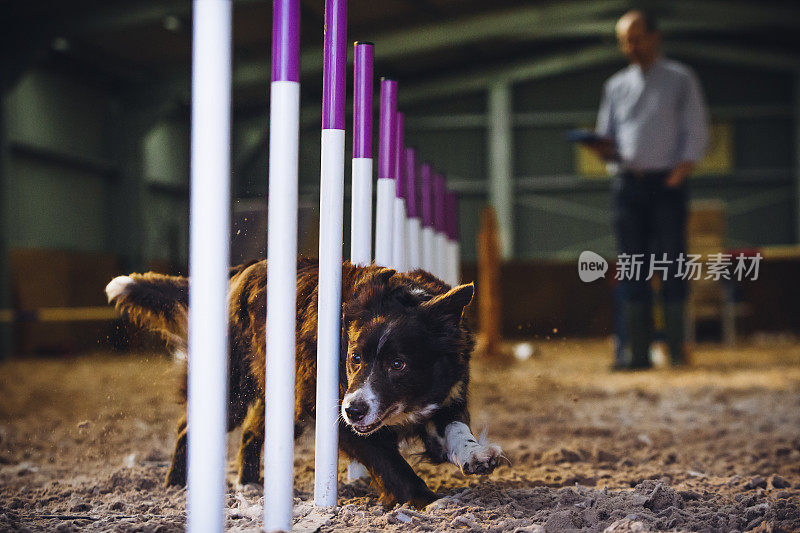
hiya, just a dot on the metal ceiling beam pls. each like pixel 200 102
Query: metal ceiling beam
pixel 124 15
pixel 507 24
pixel 736 55
pixel 554 65
pixel 525 71
pixel 559 64
pixel 529 24
pixel 589 57
pixel 734 12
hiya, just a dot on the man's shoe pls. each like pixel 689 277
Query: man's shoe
pixel 630 367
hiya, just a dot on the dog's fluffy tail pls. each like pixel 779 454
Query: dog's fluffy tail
pixel 155 302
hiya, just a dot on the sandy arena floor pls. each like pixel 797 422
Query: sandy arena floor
pixel 84 444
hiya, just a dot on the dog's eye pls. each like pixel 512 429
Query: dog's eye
pixel 398 364
pixel 355 359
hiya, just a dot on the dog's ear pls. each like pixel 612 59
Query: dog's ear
pixel 383 274
pixel 451 303
pixel 368 290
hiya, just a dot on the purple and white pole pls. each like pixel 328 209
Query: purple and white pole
pixel 386 183
pixel 361 205
pixel 453 252
pixel 399 212
pixel 439 225
pixel 282 258
pixel 457 236
pixel 208 257
pixel 326 449
pixel 427 219
pixel 413 228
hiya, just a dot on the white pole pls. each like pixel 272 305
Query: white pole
pixel 440 255
pixel 399 235
pixel 451 231
pixel 456 240
pixel 329 314
pixel 361 210
pixel 384 216
pixel 427 212
pixel 399 243
pixel 282 261
pixel 361 215
pixel 208 263
pixel 456 247
pixel 326 449
pixel 413 225
pixel 413 229
pixel 384 222
pixel 428 249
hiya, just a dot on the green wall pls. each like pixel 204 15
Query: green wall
pixel 58 180
pixel 62 176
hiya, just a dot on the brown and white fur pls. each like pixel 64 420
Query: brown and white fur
pixel 404 367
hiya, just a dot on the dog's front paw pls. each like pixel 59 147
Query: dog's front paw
pixel 423 498
pixel 483 459
pixel 418 497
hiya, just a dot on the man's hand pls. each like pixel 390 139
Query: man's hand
pixel 605 149
pixel 679 174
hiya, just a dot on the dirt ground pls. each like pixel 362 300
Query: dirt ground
pixel 85 442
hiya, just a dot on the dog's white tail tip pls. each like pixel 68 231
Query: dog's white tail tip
pixel 118 287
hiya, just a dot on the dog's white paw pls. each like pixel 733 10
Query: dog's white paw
pixel 118 287
pixel 250 487
pixel 483 459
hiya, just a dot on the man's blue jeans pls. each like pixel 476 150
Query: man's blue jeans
pixel 650 218
pixel 650 222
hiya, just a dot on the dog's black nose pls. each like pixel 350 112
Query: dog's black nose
pixel 356 411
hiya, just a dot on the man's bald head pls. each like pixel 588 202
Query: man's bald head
pixel 638 37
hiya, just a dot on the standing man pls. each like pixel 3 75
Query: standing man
pixel 653 121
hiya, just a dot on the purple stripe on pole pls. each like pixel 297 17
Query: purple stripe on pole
pixel 334 65
pixel 387 131
pixel 399 160
pixel 362 99
pixel 412 205
pixel 286 40
pixel 426 194
pixel 439 223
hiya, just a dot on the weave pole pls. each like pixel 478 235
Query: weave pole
pixel 331 207
pixel 426 210
pixel 399 212
pixel 452 251
pixel 439 223
pixel 386 184
pixel 209 230
pixel 361 204
pixel 413 227
pixel 457 238
pixel 282 261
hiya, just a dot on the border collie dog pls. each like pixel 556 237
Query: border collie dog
pixel 404 367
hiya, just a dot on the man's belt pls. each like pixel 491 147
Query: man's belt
pixel 646 174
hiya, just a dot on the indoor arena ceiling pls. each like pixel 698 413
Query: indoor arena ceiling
pixel 133 43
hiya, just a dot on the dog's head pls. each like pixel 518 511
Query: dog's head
pixel 407 352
